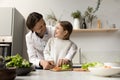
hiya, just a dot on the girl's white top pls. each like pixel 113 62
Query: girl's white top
pixel 59 49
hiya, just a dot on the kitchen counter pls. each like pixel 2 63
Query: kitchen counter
pixel 65 75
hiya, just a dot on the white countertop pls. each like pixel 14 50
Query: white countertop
pixel 65 75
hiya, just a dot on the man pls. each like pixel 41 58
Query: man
pixel 36 40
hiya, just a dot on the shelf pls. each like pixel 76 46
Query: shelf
pixel 96 30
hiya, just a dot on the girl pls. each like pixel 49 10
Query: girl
pixel 60 49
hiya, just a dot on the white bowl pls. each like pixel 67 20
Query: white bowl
pixel 112 64
pixel 102 71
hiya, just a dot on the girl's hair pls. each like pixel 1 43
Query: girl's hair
pixel 67 26
pixel 32 19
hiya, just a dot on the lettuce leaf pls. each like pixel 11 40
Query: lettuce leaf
pixel 91 64
pixel 65 66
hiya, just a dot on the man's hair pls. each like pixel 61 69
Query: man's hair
pixel 32 19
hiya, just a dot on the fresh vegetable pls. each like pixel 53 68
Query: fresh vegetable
pixel 91 64
pixel 65 66
pixel 16 61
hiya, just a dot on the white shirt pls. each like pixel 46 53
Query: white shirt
pixel 36 45
pixel 59 49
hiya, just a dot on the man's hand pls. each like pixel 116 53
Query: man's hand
pixel 63 61
pixel 47 64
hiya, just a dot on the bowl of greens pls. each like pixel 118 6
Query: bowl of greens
pixel 23 71
pixel 23 67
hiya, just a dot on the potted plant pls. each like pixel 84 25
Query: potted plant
pixel 89 16
pixel 76 16
pixel 90 13
pixel 52 19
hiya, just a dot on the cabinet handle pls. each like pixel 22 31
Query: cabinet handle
pixel 4 45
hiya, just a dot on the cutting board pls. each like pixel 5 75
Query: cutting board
pixel 57 69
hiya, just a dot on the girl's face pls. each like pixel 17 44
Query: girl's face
pixel 40 27
pixel 60 32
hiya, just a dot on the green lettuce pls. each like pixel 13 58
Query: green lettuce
pixel 91 64
pixel 65 66
pixel 16 61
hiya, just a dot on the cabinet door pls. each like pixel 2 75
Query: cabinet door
pixel 5 21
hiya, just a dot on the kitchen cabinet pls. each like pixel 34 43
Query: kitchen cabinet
pixel 96 30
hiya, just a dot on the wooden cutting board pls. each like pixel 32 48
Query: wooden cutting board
pixel 57 69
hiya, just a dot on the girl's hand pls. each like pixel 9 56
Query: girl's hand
pixel 63 61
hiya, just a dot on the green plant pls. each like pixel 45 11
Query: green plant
pixel 16 61
pixel 76 14
pixel 51 17
pixel 98 5
pixel 90 13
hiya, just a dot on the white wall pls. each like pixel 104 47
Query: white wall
pixel 95 46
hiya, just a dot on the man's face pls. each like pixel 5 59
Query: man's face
pixel 40 27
